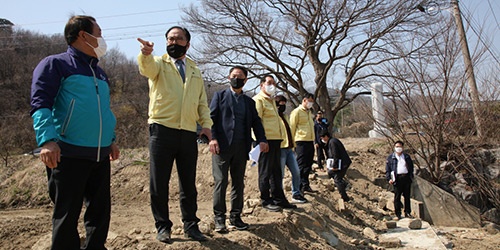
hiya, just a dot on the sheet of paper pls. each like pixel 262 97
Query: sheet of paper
pixel 254 154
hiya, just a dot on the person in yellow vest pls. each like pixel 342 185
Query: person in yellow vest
pixel 177 102
pixel 270 176
pixel 302 128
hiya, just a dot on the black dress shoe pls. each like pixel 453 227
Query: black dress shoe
pixel 308 189
pixel 164 236
pixel 237 223
pixel 195 234
pixel 220 225
pixel 272 208
pixel 407 215
pixel 287 205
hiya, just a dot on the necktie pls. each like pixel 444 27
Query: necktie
pixel 179 64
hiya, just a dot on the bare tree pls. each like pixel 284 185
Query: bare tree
pixel 304 39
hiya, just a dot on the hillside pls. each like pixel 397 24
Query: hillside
pixel 25 209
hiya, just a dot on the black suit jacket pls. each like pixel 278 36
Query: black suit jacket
pixel 221 112
pixel 336 150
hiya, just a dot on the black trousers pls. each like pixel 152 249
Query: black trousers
pixel 270 176
pixel 403 186
pixel 72 183
pixel 320 154
pixel 338 178
pixel 165 146
pixel 233 160
pixel 305 156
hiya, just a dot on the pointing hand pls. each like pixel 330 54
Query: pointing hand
pixel 146 47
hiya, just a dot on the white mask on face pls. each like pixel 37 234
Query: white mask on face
pixel 309 105
pixel 270 89
pixel 398 149
pixel 323 141
pixel 101 48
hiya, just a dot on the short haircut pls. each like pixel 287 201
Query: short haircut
pixel 75 24
pixel 186 32
pixel 245 71
pixel 280 98
pixel 263 78
pixel 319 112
pixel 324 132
pixel 308 95
pixel 400 142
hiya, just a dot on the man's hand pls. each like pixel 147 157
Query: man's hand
pixel 214 146
pixel 264 147
pixel 114 154
pixel 391 181
pixel 146 47
pixel 316 145
pixel 207 132
pixel 50 154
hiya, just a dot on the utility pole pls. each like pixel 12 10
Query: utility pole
pixel 469 70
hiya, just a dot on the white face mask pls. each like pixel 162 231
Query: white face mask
pixel 398 149
pixel 270 89
pixel 101 48
pixel 309 105
pixel 323 141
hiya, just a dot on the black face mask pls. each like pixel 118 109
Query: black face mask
pixel 281 108
pixel 237 83
pixel 176 50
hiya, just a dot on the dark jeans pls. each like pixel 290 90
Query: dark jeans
pixel 320 154
pixel 338 178
pixel 305 156
pixel 234 161
pixel 165 146
pixel 73 182
pixel 403 185
pixel 270 176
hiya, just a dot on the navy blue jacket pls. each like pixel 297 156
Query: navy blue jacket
pixel 221 112
pixel 70 103
pixel 392 165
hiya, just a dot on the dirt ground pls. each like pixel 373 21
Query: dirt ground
pixel 25 211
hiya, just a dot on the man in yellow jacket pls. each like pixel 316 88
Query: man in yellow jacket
pixel 302 128
pixel 177 102
pixel 270 175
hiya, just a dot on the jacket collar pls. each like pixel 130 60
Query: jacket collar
pixel 82 56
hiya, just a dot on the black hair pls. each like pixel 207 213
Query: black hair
pixel 324 132
pixel 75 24
pixel 280 98
pixel 263 78
pixel 245 71
pixel 400 142
pixel 308 95
pixel 186 32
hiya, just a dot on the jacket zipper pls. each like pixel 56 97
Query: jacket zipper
pixel 100 114
pixel 68 117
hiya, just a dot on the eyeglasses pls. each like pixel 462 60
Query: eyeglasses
pixel 172 39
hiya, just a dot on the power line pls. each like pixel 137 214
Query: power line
pixel 493 12
pixel 102 17
pixel 471 22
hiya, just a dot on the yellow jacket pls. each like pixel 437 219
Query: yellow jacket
pixel 268 113
pixel 302 124
pixel 173 103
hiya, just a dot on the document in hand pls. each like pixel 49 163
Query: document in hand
pixel 393 177
pixel 329 163
pixel 254 154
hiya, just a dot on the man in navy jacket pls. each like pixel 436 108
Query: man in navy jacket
pixel 234 116
pixel 399 173
pixel 74 125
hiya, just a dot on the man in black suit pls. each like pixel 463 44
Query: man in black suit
pixel 234 115
pixel 337 162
